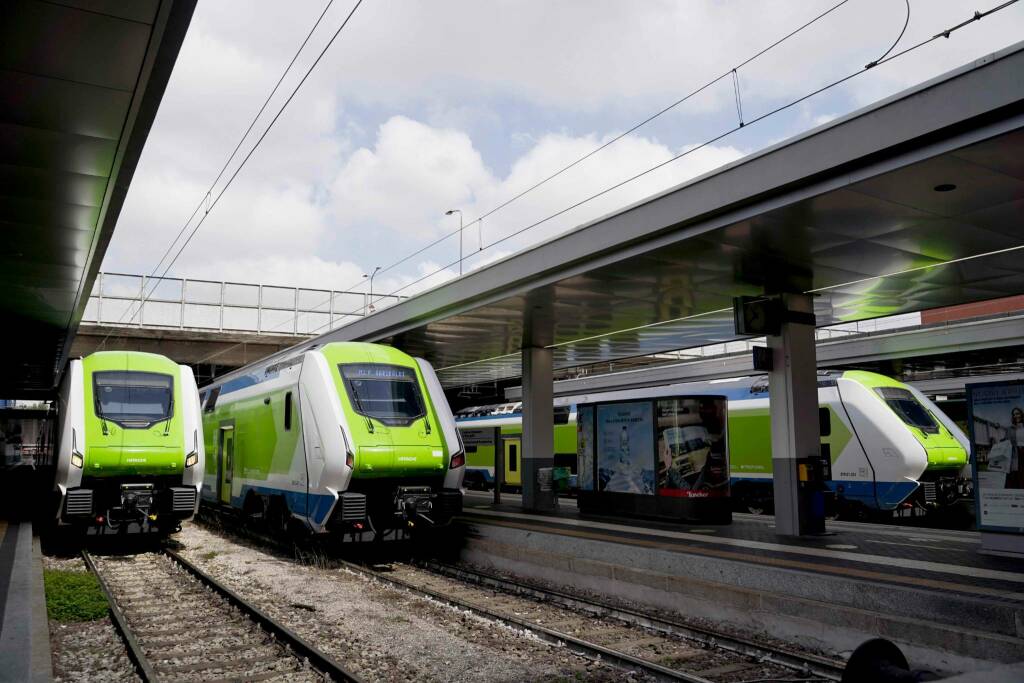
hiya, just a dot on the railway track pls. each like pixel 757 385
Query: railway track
pixel 659 649
pixel 803 663
pixel 179 624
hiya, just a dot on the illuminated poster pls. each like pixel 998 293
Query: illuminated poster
pixel 585 448
pixel 625 452
pixel 996 422
pixel 692 461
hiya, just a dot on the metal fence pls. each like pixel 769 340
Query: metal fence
pixel 140 301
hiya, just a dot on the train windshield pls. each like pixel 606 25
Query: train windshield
pixel 910 411
pixel 133 399
pixel 388 393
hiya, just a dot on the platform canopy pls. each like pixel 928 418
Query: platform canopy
pixel 913 203
pixel 80 83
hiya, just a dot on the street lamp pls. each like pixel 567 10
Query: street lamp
pixel 369 300
pixel 449 212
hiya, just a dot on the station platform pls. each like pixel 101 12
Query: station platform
pixel 928 590
pixel 24 628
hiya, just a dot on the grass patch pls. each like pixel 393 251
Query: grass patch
pixel 73 596
pixel 209 555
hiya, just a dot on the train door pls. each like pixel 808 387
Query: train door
pixel 512 457
pixel 225 464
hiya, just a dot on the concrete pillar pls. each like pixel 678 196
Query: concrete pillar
pixel 793 385
pixel 499 463
pixel 538 427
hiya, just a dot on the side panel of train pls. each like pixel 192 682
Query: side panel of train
pixel 129 443
pixel 886 441
pixel 287 443
pixel 480 449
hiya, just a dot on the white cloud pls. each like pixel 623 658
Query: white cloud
pixel 419 78
pixel 413 174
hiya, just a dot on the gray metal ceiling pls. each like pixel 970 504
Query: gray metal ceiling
pixel 80 82
pixel 846 210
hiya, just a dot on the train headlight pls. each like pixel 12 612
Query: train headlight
pixel 77 460
pixel 458 460
pixel 191 459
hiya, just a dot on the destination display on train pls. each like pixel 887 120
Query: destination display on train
pixel 996 414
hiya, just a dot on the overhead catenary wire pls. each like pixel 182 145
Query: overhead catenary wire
pixel 664 110
pixel 611 141
pixel 210 204
pixel 889 57
pixel 978 15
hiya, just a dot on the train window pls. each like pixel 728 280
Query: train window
pixel 211 402
pixel 132 399
pixel 513 458
pixel 388 393
pixel 561 415
pixel 824 421
pixel 904 404
pixel 288 411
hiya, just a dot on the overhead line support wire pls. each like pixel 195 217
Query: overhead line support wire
pixel 891 57
pixel 205 202
pixel 886 59
pixel 610 142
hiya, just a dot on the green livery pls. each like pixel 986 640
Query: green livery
pixel 344 436
pixel 130 451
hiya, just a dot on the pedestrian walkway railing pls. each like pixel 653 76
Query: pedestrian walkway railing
pixel 120 299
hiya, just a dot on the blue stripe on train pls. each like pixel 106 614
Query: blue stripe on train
pixel 319 504
pixel 889 493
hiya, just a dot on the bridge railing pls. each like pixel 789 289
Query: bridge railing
pixel 121 299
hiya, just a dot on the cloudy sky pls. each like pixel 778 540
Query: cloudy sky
pixel 420 107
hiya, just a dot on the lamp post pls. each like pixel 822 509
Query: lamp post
pixel 449 212
pixel 369 300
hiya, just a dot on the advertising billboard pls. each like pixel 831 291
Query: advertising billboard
pixel 692 459
pixel 625 447
pixel 996 425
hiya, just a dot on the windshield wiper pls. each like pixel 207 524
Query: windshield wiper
pixel 103 420
pixel 369 423
pixel 170 414
pixel 426 423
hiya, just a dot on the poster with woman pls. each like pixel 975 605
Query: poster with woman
pixel 996 425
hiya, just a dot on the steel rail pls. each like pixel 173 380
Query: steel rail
pixel 822 667
pixel 298 647
pixel 135 651
pixel 317 658
pixel 584 647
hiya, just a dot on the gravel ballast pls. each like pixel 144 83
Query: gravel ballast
pixel 382 633
pixel 89 650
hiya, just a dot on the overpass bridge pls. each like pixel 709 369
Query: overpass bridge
pixel 211 325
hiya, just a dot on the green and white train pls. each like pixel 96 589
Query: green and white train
pixel 129 443
pixel 887 443
pixel 344 437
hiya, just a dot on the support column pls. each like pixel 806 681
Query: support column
pixel 499 463
pixel 538 427
pixel 794 416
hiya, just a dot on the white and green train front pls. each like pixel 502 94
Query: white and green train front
pixel 344 437
pixel 130 452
